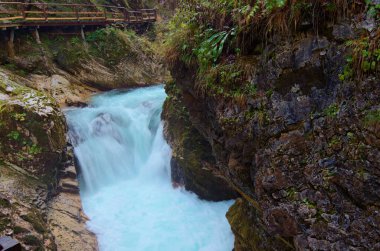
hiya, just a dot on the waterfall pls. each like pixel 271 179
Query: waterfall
pixel 125 179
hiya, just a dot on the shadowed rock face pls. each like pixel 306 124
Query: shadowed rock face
pixel 305 148
pixel 192 164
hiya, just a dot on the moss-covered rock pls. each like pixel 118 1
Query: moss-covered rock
pixel 303 146
pixel 22 209
pixel 32 130
pixel 242 217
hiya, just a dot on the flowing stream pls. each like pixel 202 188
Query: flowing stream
pixel 125 179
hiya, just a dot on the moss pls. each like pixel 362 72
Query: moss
pixel 4 202
pixel 4 222
pixel 291 193
pixel 334 141
pixel 31 240
pixel 372 117
pixel 331 111
pixel 26 142
pixel 227 80
pixel 36 221
pixel 19 230
pixel 250 234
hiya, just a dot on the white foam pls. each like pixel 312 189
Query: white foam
pixel 126 188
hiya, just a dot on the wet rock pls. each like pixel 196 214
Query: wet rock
pixel 304 158
pixel 65 214
pixel 342 32
pixel 32 128
pixel 192 164
pixel 280 221
pixel 38 198
pixel 242 217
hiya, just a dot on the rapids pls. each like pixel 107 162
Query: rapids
pixel 125 179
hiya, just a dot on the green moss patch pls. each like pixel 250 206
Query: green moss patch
pixel 36 221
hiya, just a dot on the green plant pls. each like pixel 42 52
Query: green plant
pixel 331 111
pixel 14 135
pixel 75 40
pixel 36 222
pixel 31 240
pixel 212 47
pixel 34 149
pixel 4 203
pixel 19 116
pixel 365 57
pixel 19 230
pixel 372 117
pixel 291 193
pixel 347 70
pixel 309 203
pixel 350 136
pixel 334 141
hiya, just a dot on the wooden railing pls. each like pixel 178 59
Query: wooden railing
pixel 57 14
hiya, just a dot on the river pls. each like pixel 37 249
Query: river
pixel 125 179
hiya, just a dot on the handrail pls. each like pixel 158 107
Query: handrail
pixel 65 4
pixel 23 14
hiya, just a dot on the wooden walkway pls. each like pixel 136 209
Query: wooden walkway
pixel 18 15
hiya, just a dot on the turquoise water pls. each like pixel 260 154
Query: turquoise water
pixel 125 179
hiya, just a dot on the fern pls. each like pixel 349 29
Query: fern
pixel 212 47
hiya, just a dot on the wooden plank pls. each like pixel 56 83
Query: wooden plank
pixel 9 11
pixel 91 12
pixel 34 18
pixel 33 12
pixel 89 18
pixel 61 18
pixel 10 18
pixel 115 19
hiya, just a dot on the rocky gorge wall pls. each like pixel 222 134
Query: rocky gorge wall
pixel 303 150
pixel 40 203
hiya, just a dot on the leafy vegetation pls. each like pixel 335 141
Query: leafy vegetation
pixel 211 36
pixel 14 135
pixel 372 117
pixel 212 47
pixel 31 240
pixel 332 111
pixel 365 57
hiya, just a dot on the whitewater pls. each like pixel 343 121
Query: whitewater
pixel 126 188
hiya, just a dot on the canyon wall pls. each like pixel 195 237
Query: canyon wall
pixel 291 130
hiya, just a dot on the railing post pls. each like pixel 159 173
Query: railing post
pixel 76 12
pixel 23 7
pixel 11 48
pixel 125 13
pixel 105 14
pixel 45 7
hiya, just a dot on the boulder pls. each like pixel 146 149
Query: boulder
pixel 32 129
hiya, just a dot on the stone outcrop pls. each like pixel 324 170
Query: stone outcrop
pixel 39 200
pixel 129 60
pixel 65 215
pixel 303 151
pixel 32 130
pixel 192 164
